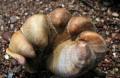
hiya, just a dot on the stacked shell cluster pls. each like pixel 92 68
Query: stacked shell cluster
pixel 76 47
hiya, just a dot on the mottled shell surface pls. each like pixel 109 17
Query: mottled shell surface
pixel 36 29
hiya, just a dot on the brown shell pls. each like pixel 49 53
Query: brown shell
pixel 96 41
pixel 70 58
pixel 77 24
pixel 59 18
pixel 16 56
pixel 36 30
pixel 19 45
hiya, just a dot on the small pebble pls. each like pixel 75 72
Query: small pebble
pixel 6 56
pixel 97 19
pixel 11 26
pixel 113 35
pixel 48 9
pixel 117 36
pixel 106 60
pixel 105 27
pixel 103 8
pixel 25 13
pixel 113 46
pixel 116 69
pixel 102 20
pixel 107 33
pixel 6 36
pixel 115 14
pixel 84 13
pixel 108 40
pixel 2 28
pixel 41 2
pixel 112 72
pixel 115 55
pixel 62 5
pixel 10 75
pixel 14 19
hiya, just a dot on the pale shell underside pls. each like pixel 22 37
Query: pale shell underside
pixel 71 60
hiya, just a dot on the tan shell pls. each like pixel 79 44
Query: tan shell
pixel 71 58
pixel 16 56
pixel 19 45
pixel 77 24
pixel 96 41
pixel 36 29
pixel 59 17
